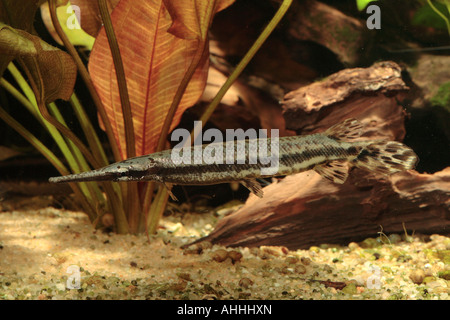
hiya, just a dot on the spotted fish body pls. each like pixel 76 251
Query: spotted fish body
pixel 330 153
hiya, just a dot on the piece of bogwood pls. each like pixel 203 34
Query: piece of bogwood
pixel 368 94
pixel 304 210
pixel 320 23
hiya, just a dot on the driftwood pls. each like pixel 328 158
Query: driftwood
pixel 305 209
pixel 343 35
pixel 368 94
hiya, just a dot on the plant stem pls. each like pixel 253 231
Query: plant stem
pixel 132 199
pixel 68 149
pixel 157 209
pixel 121 79
pixel 50 157
pixel 30 103
pixel 90 189
pixel 87 79
pixel 39 92
pixel 88 129
pixel 245 60
pixel 447 22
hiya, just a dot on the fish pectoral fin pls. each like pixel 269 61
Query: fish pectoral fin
pixel 169 190
pixel 348 130
pixel 253 186
pixel 335 171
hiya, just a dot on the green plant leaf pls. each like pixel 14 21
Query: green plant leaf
pixel 426 16
pixel 69 23
pixel 362 4
pixel 442 14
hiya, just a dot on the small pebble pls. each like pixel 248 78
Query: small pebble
pixel 305 260
pixel 300 269
pixel 184 276
pixel 327 269
pixel 394 238
pixel 444 274
pixel 292 260
pixel 287 270
pixel 417 276
pixel 407 238
pixel 428 269
pixel 245 283
pixel 220 255
pixel 235 255
pixel 108 220
pixel 205 245
pixel 193 249
pixel 350 288
pixel 370 243
pixel 274 251
pixel 314 249
pixel 428 279
pixel 353 246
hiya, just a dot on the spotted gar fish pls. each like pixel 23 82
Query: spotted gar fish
pixel 330 153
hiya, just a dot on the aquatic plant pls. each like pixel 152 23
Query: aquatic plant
pixel 361 4
pixel 442 15
pixel 427 13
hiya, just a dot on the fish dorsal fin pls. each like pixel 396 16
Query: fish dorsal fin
pixel 254 186
pixel 335 171
pixel 348 130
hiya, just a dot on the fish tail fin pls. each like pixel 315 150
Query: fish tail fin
pixel 386 157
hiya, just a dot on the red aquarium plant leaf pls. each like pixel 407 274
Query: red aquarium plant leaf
pixel 192 18
pixel 158 40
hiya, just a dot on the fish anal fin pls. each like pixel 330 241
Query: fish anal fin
pixel 254 187
pixel 347 130
pixel 335 171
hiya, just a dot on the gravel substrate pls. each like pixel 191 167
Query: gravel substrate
pixel 37 248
